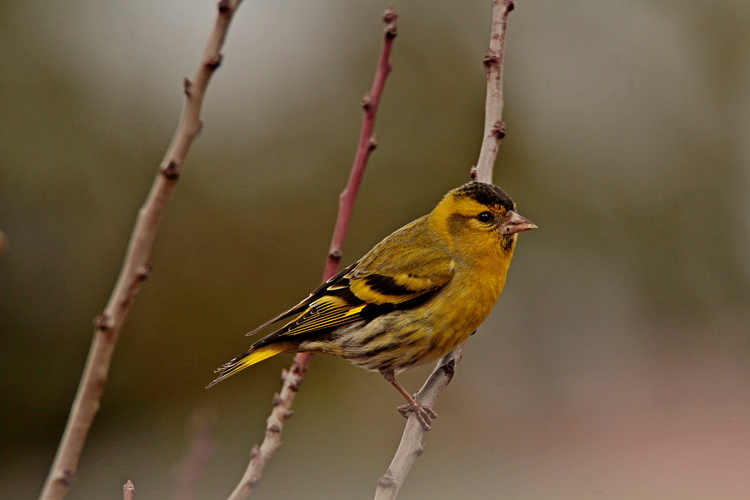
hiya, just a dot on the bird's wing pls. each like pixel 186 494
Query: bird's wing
pixel 334 282
pixel 330 306
pixel 359 293
pixel 416 272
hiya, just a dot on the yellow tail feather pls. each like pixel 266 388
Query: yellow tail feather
pixel 250 358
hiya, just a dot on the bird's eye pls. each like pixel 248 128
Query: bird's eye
pixel 484 217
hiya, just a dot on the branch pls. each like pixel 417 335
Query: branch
pixel 494 128
pixel 135 267
pixel 197 455
pixel 368 141
pixel 411 446
pixel 128 491
pixel 3 242
pixel 292 378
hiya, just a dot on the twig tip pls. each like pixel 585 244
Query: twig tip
pixel 389 18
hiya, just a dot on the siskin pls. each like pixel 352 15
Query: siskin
pixel 414 297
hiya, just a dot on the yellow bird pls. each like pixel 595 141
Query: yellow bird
pixel 414 297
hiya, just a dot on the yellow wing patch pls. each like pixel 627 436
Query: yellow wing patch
pixel 250 358
pixel 324 313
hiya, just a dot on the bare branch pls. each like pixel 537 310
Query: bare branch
pixel 199 451
pixel 494 128
pixel 411 446
pixel 135 267
pixel 128 491
pixel 292 378
pixel 3 242
pixel 367 143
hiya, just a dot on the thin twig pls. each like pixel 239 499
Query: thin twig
pixel 494 128
pixel 367 143
pixel 135 267
pixel 199 451
pixel 411 446
pixel 292 378
pixel 128 491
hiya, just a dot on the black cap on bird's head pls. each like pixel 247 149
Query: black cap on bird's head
pixel 486 194
pixel 499 203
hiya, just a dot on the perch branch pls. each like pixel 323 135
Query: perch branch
pixel 135 267
pixel 411 446
pixel 292 378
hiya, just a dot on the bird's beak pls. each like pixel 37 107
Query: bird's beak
pixel 514 223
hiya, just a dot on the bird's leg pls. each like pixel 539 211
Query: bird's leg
pixel 424 413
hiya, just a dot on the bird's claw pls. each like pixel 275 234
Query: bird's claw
pixel 424 413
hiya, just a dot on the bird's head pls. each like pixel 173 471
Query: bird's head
pixel 478 221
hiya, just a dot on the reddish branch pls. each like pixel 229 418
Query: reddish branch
pixel 367 143
pixel 292 378
pixel 135 267
pixel 411 446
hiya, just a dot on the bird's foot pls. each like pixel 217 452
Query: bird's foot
pixel 424 413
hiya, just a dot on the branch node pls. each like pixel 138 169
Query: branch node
pixel 389 18
pixel 498 129
pixel 143 271
pixel 284 373
pixel 171 171
pixel 298 369
pixel 373 142
pixel 387 482
pixel 102 323
pixel 474 172
pixel 366 102
pixel 214 61
pixel 450 367
pixel 277 400
pixel 187 87
pixel 224 6
pixel 288 414
pixel 491 58
pixel 274 429
pixel 335 253
pixel 67 477
pixel 254 452
pixel 420 449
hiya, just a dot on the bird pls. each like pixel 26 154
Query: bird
pixel 417 295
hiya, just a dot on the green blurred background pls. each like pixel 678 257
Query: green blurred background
pixel 615 365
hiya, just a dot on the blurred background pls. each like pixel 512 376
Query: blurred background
pixel 616 365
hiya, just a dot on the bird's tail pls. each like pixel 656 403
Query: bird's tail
pixel 250 358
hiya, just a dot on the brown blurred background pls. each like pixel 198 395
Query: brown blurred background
pixel 616 364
